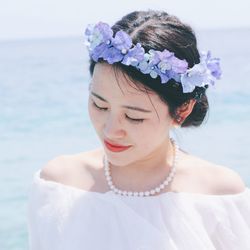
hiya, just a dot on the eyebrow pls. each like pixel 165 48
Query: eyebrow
pixel 124 106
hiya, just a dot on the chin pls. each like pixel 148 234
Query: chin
pixel 117 159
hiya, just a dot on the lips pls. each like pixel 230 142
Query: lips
pixel 115 144
pixel 114 147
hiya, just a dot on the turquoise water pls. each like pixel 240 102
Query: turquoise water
pixel 43 113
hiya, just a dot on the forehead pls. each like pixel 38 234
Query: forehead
pixel 115 84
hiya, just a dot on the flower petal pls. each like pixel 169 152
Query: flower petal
pixel 122 41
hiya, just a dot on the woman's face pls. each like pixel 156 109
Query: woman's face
pixel 115 121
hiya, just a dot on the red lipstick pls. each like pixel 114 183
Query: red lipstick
pixel 115 147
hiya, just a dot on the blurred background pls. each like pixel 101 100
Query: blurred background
pixel 44 85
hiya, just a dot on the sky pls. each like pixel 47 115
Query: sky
pixel 59 18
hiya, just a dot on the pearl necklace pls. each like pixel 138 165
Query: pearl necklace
pixel 146 193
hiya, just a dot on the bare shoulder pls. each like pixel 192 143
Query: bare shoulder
pixel 228 181
pixel 81 170
pixel 53 169
pixel 78 170
pixel 218 179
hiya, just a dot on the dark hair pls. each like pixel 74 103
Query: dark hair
pixel 158 30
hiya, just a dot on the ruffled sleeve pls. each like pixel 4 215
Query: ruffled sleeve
pixel 61 217
pixel 39 199
pixel 232 230
pixel 48 204
pixel 200 221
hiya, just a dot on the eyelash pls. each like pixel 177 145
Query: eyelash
pixel 132 120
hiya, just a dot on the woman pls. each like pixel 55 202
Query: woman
pixel 140 190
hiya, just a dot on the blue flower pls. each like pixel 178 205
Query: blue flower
pixel 122 41
pixel 102 44
pixel 119 46
pixel 134 56
pixel 149 64
pixel 98 34
pixel 196 76
pixel 103 31
pixel 164 76
pixel 178 66
pixel 112 55
pixel 165 64
pixel 213 64
pixel 170 66
pixel 98 51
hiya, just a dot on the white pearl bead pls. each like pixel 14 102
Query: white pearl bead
pixel 152 192
pixel 146 193
pixel 165 182
pixel 124 51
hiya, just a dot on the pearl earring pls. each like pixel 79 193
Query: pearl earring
pixel 178 118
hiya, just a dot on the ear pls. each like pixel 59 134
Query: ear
pixel 183 112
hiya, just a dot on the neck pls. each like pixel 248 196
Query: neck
pixel 146 172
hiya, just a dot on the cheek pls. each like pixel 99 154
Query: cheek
pixel 147 135
pixel 151 136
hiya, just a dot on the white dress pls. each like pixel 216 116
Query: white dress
pixel 62 217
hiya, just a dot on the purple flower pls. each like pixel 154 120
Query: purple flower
pixel 178 66
pixel 165 55
pixel 112 55
pixel 169 74
pixel 164 66
pixel 134 55
pixel 165 63
pixel 102 44
pixel 98 34
pixel 169 66
pixel 104 31
pixel 201 74
pixel 148 65
pixel 214 67
pixel 164 76
pixel 154 57
pixel 98 51
pixel 190 82
pixel 213 64
pixel 196 76
pixel 122 41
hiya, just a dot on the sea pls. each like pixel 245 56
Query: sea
pixel 43 114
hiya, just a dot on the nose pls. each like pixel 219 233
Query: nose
pixel 113 128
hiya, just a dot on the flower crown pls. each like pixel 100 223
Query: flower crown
pixel 101 43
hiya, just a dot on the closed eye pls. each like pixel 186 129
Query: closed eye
pixel 129 118
pixel 99 107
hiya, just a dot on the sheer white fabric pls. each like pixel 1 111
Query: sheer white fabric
pixel 61 217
